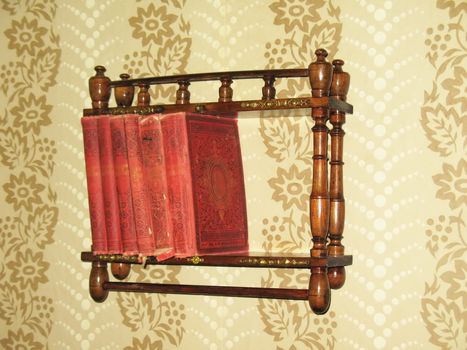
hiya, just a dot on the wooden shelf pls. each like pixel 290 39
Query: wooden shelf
pixel 327 103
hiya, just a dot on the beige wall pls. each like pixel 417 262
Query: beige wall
pixel 405 172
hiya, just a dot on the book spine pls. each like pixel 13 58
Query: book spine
pixel 155 175
pixel 141 208
pixel 94 182
pixel 109 187
pixel 122 177
pixel 179 183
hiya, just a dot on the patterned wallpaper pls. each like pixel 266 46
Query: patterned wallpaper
pixel 405 172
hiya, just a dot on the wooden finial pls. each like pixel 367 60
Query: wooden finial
pixel 98 277
pixel 320 73
pixel 99 89
pixel 225 91
pixel 269 91
pixel 120 270
pixel 183 95
pixel 340 81
pixel 144 99
pixel 319 293
pixel 124 94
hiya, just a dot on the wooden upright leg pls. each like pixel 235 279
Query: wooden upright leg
pixel 339 88
pixel 337 215
pixel 320 79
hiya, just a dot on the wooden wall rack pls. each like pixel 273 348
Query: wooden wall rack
pixel 326 260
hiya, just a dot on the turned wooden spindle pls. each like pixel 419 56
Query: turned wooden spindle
pixel 144 99
pixel 269 91
pixel 320 73
pixel 183 95
pixel 124 94
pixel 339 88
pixel 97 278
pixel 120 270
pixel 225 91
pixel 99 89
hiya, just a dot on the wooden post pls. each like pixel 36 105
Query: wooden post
pixel 144 99
pixel 320 73
pixel 225 91
pixel 269 91
pixel 183 95
pixel 99 89
pixel 124 94
pixel 339 88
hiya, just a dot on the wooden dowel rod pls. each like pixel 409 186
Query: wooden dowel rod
pixel 249 74
pixel 246 292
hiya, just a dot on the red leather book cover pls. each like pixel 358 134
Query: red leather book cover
pixel 179 183
pixel 210 178
pixel 109 187
pixel 141 206
pixel 156 181
pixel 122 177
pixel 94 182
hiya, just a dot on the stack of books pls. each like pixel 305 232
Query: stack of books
pixel 165 185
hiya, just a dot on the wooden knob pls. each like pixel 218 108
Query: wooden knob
pixel 99 88
pixel 320 73
pixel 124 94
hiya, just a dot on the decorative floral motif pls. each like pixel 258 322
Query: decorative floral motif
pixel 145 344
pixel 456 280
pixel 23 191
pixel 291 187
pixel 28 269
pixel 24 152
pixel 444 304
pixel 307 26
pixel 455 7
pixel 296 14
pixel 445 322
pixel 20 340
pixel 438 232
pixel 457 88
pixel 25 36
pixel 152 25
pixel 453 183
pixel 31 113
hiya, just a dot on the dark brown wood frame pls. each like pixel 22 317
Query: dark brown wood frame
pixel 326 261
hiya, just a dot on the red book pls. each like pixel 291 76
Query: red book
pixel 140 196
pixel 206 185
pixel 122 177
pixel 94 182
pixel 156 181
pixel 109 187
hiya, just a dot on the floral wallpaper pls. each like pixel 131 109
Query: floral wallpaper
pixel 405 170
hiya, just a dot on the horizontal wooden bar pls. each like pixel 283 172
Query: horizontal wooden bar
pixel 245 292
pixel 226 108
pixel 255 260
pixel 247 74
